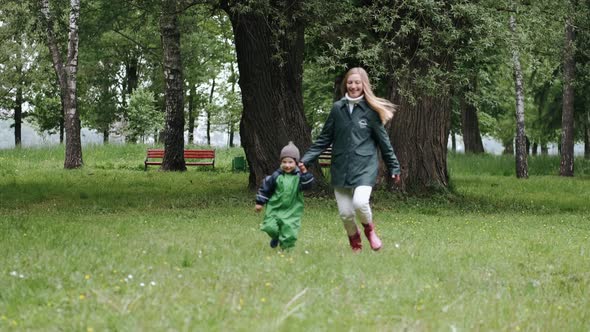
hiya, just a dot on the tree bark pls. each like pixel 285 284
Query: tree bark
pixel 191 113
pixel 470 128
pixel 18 116
pixel 567 115
pixel 208 112
pixel 270 61
pixel 419 135
pixel 521 151
pixel 67 78
pixel 174 93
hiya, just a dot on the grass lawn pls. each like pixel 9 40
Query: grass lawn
pixel 113 248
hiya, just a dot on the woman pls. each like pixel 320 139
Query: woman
pixel 355 129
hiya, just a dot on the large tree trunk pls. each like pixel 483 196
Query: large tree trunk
pixel 271 70
pixel 470 128
pixel 66 74
pixel 522 169
pixel 174 93
pixel 191 113
pixel 567 115
pixel 419 135
pixel 587 136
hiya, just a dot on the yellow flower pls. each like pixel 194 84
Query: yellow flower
pixel 267 284
pixel 89 329
pixel 263 299
pixel 82 296
pixel 87 277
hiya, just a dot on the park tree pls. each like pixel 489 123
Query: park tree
pixel 174 91
pixel 269 41
pixel 567 115
pixel 520 140
pixel 16 53
pixel 143 119
pixel 66 70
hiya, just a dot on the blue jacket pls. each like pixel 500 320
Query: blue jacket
pixel 268 186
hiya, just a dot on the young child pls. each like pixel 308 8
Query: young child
pixel 282 194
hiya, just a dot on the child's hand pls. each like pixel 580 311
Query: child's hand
pixel 258 208
pixel 302 167
pixel 396 179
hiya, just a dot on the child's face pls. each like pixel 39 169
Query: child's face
pixel 288 164
pixel 354 86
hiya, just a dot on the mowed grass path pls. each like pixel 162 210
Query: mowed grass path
pixel 112 248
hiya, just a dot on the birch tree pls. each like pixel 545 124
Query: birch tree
pixel 66 71
pixel 520 141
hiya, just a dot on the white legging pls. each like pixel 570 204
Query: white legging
pixel 351 202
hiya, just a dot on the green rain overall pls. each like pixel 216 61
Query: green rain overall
pixel 282 217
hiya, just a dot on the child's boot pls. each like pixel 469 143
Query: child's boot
pixel 355 241
pixel 372 236
pixel 274 243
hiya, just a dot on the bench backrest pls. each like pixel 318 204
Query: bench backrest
pixel 199 154
pixel 188 154
pixel 325 157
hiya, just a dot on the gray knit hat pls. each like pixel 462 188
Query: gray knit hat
pixel 290 150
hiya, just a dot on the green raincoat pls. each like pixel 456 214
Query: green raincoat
pixel 283 196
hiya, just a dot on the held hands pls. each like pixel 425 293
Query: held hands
pixel 302 167
pixel 258 208
pixel 396 179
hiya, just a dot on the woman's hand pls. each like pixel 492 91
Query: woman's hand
pixel 396 179
pixel 302 167
pixel 258 208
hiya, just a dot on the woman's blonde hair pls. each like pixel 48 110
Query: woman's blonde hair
pixel 382 106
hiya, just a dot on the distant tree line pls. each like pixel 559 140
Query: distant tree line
pixel 514 70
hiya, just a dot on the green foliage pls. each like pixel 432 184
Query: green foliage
pixel 111 247
pixel 142 116
pixel 317 95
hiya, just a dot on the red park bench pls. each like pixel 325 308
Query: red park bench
pixel 325 158
pixel 192 157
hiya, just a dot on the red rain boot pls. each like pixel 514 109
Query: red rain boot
pixel 372 236
pixel 355 242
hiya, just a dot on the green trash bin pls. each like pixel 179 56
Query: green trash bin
pixel 238 164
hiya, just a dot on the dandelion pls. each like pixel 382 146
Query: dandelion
pixel 87 277
pixel 263 300
pixel 130 277
pixel 306 252
pixel 14 273
pixel 22 276
pixel 82 297
pixel 267 284
pixel 153 283
pixel 397 245
pixel 89 329
pixel 141 284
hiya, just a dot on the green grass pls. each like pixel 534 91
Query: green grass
pixel 111 247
